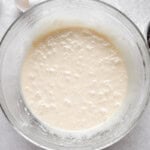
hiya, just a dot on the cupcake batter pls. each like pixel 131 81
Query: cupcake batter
pixel 74 78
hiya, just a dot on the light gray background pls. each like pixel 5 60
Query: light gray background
pixel 139 137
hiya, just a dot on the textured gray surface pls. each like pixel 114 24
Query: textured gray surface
pixel 139 137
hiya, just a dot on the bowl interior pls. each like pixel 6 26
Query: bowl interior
pixel 90 13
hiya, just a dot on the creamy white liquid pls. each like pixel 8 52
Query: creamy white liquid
pixel 74 78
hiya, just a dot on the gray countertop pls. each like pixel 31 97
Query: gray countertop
pixel 139 137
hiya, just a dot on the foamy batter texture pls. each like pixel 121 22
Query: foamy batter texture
pixel 74 78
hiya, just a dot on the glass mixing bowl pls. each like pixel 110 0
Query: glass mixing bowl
pixel 91 13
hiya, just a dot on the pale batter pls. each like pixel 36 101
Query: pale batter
pixel 74 78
